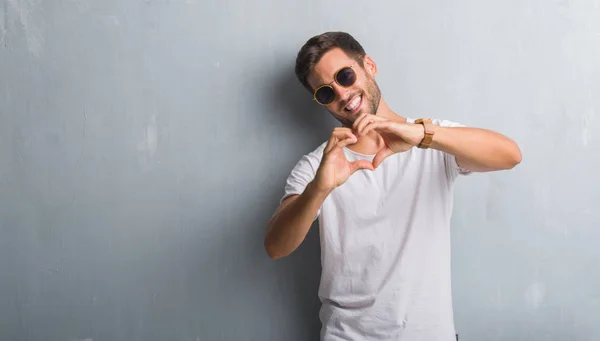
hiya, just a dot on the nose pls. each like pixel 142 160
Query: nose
pixel 342 93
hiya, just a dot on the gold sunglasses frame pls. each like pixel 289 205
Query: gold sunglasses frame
pixel 335 81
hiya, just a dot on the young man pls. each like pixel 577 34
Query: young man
pixel 381 187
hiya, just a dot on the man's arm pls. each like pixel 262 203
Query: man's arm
pixel 476 149
pixel 291 222
pixel 289 225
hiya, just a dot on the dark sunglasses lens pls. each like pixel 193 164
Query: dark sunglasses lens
pixel 346 77
pixel 325 95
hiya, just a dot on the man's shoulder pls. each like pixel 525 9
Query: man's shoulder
pixel 447 123
pixel 316 152
pixel 442 122
pixel 312 158
pixel 320 148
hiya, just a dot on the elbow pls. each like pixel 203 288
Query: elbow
pixel 508 157
pixel 515 157
pixel 510 162
pixel 274 254
pixel 272 250
pixel 518 159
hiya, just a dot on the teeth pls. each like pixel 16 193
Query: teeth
pixel 353 104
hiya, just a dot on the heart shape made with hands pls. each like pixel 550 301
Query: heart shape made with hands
pixel 398 136
pixel 335 169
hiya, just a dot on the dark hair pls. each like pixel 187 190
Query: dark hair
pixel 312 51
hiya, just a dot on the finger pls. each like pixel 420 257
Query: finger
pixel 362 124
pixel 363 121
pixel 378 126
pixel 360 164
pixel 378 159
pixel 368 121
pixel 344 134
pixel 330 143
pixel 337 136
pixel 358 121
pixel 350 140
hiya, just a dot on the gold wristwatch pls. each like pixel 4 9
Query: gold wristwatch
pixel 428 138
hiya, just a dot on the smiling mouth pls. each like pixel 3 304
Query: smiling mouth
pixel 353 104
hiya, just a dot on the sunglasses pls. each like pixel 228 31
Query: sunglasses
pixel 325 94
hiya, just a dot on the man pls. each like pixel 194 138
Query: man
pixel 381 187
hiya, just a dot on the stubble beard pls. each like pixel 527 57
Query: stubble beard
pixel 372 96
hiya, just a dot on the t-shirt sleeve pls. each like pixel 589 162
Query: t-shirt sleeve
pixel 301 175
pixel 453 170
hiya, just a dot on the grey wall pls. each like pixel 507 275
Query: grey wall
pixel 145 144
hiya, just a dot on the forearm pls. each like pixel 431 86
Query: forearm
pixel 477 149
pixel 287 228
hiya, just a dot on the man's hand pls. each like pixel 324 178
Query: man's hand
pixel 397 136
pixel 335 169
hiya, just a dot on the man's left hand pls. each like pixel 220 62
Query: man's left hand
pixel 397 136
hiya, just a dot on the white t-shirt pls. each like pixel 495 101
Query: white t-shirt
pixel 385 246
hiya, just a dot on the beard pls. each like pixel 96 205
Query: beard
pixel 371 99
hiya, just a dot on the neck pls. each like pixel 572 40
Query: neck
pixel 373 143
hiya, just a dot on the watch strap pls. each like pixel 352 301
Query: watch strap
pixel 428 136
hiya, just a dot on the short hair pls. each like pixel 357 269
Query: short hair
pixel 314 49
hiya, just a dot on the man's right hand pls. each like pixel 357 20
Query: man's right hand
pixel 335 169
pixel 289 225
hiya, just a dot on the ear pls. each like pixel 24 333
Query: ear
pixel 370 66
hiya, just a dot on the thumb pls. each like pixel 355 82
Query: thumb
pixel 378 159
pixel 361 164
